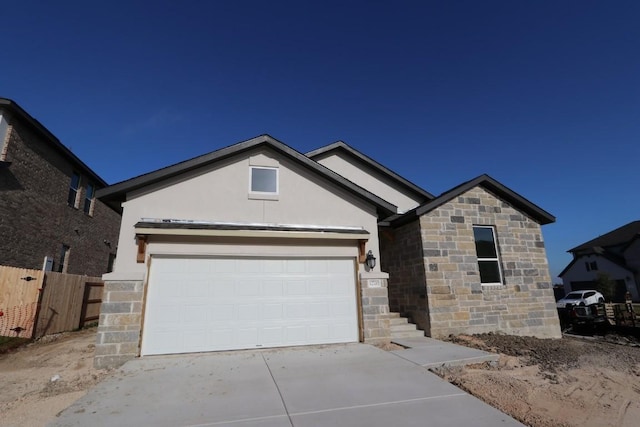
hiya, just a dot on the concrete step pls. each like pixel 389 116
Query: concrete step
pixel 398 321
pixel 401 328
pixel 405 327
pixel 407 334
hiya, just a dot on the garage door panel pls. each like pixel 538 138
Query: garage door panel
pixel 207 304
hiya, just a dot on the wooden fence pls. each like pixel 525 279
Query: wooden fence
pixel 19 292
pixel 34 303
pixel 64 299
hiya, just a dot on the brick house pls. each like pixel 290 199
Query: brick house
pixel 49 216
pixel 259 245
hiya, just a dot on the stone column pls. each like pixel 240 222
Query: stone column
pixel 375 307
pixel 118 337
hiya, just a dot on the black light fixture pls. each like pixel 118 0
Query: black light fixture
pixel 370 260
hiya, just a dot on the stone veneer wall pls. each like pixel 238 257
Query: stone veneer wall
pixel 120 323
pixel 375 308
pixel 402 257
pixel 458 303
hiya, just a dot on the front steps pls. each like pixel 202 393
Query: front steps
pixel 401 328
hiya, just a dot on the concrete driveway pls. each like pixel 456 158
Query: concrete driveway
pixel 337 385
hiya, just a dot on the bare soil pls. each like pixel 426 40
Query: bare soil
pixel 567 382
pixel 573 381
pixel 28 396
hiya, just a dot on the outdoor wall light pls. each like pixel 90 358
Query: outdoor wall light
pixel 370 260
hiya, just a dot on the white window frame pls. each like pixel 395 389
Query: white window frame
pixel 496 258
pixel 264 194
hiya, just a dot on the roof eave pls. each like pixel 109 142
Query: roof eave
pixel 117 192
pixel 535 212
pixel 14 108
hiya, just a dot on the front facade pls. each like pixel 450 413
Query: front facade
pixel 49 216
pixel 613 257
pixel 251 246
pixel 257 245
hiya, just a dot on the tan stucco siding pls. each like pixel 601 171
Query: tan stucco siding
pixel 371 180
pixel 221 193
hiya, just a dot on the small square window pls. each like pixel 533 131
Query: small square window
pixel 264 180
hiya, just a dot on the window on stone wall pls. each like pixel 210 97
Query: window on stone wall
pixel 72 198
pixel 88 199
pixel 487 253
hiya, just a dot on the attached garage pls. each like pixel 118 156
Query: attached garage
pixel 196 304
pixel 250 246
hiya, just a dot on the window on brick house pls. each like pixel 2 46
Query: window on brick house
pixel 487 253
pixel 72 198
pixel 88 199
pixel 63 264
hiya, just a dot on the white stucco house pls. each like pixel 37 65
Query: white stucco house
pixel 258 245
pixel 616 254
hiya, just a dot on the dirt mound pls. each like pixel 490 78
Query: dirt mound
pixel 586 382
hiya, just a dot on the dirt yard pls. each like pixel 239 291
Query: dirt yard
pixel 30 392
pixel 568 382
pixel 586 381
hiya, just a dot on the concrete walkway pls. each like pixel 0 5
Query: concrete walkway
pixel 431 353
pixel 336 385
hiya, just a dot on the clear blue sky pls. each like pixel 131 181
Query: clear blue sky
pixel 542 95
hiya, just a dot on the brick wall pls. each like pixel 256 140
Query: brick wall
pixel 458 303
pixel 35 220
pixel 401 253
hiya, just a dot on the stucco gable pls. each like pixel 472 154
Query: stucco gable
pixel 117 193
pixel 367 173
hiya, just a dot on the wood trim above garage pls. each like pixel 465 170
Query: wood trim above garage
pixel 193 228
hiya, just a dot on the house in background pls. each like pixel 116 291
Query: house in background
pixel 616 255
pixel 257 245
pixel 49 215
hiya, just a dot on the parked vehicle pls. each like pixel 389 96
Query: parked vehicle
pixel 582 298
pixel 594 315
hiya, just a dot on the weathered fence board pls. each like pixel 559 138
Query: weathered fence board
pixel 19 292
pixel 91 303
pixel 62 303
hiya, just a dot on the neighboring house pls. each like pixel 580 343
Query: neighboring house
pixel 49 216
pixel 614 256
pixel 258 245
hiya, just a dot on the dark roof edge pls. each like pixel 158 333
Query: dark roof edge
pixel 118 191
pixel 35 124
pixel 597 241
pixel 368 160
pixel 537 213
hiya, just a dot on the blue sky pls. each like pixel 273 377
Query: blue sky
pixel 544 96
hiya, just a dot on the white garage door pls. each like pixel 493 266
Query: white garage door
pixel 207 304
